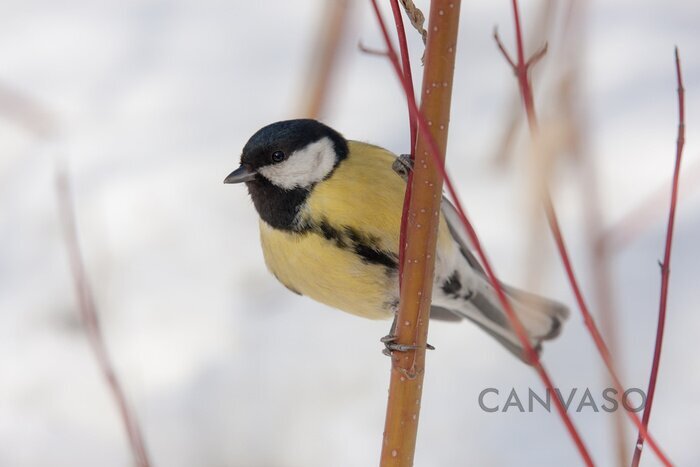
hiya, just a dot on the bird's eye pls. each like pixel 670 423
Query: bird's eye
pixel 278 156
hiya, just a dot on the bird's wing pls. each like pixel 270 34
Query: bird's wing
pixel 444 314
pixel 402 165
pixel 454 224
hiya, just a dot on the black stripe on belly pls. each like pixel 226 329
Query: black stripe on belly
pixel 330 233
pixel 370 255
pixel 367 247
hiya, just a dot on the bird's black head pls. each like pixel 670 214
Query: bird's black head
pixel 291 154
pixel 283 161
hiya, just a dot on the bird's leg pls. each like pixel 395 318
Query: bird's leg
pixel 402 166
pixel 390 339
pixel 390 344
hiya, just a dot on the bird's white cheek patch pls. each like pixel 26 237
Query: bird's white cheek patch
pixel 304 167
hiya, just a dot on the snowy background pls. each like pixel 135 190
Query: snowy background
pixel 151 102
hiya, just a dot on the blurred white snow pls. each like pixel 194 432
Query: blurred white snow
pixel 153 101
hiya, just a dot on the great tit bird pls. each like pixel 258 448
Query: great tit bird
pixel 330 214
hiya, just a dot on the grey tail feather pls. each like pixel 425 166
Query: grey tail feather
pixel 516 349
pixel 535 313
pixel 542 318
pixel 444 314
pixel 557 312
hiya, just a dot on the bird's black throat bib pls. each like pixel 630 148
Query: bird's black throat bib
pixel 277 206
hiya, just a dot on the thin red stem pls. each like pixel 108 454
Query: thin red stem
pixel 88 314
pixel 423 128
pixel 666 265
pixel 370 51
pixel 408 77
pixel 405 60
pixel 521 71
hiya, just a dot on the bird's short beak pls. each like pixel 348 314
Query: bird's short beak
pixel 240 175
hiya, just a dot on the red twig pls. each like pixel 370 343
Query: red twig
pixel 88 314
pixel 408 78
pixel 370 51
pixel 423 128
pixel 405 60
pixel 665 266
pixel 521 70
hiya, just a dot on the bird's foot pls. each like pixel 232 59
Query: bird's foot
pixel 403 166
pixel 390 345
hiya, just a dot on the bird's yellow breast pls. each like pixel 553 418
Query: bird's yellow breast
pixel 361 202
pixel 314 266
pixel 363 192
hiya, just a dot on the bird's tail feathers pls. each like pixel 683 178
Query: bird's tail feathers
pixel 542 318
